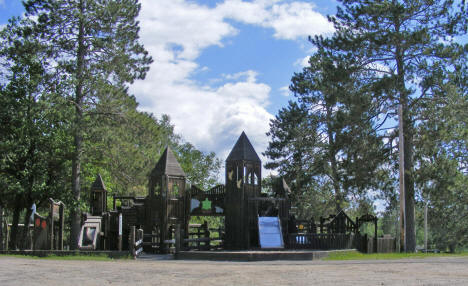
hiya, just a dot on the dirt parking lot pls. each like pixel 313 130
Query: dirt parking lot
pixel 431 271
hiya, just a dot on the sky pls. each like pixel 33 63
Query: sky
pixel 221 67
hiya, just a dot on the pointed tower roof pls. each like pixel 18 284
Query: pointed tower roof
pixel 98 184
pixel 243 150
pixel 168 165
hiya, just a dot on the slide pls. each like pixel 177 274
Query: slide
pixel 269 230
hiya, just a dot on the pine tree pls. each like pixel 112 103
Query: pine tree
pixel 328 140
pixel 33 127
pixel 94 47
pixel 410 44
pixel 442 158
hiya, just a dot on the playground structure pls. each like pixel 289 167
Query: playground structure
pixel 171 202
pixel 45 233
pixel 48 231
pixel 252 220
pixel 160 221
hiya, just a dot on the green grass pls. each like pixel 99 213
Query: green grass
pixel 98 257
pixel 355 255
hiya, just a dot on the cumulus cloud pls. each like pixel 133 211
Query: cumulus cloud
pixel 175 32
pixel 289 20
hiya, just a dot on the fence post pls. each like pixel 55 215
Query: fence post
pixel 61 225
pixel 7 235
pixel 207 234
pixel 51 225
pixel 375 235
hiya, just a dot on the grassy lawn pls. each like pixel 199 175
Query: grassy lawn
pixel 355 255
pixel 98 257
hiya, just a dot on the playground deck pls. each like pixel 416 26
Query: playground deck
pixel 255 255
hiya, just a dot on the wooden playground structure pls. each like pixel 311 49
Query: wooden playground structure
pixel 160 221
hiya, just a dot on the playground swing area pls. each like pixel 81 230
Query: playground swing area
pixel 253 225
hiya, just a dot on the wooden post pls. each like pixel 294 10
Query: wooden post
pixel 375 235
pixel 207 234
pixel 120 233
pixel 51 224
pixel 177 238
pixel 7 235
pixel 425 225
pixel 131 242
pixel 366 243
pixel 106 220
pixel 61 225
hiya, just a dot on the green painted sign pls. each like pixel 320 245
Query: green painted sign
pixel 206 204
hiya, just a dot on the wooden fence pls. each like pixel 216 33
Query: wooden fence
pixel 367 244
pixel 384 245
pixel 322 241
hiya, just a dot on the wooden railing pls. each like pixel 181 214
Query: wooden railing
pixel 197 240
pixel 201 237
pixel 323 241
pixel 135 241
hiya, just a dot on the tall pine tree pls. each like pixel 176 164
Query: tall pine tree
pixel 34 140
pixel 94 47
pixel 409 43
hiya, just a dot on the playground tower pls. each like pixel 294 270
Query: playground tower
pixel 243 182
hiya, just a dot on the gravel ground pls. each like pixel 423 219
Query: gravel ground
pixel 430 271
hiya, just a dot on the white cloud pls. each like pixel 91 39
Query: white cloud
pixel 285 91
pixel 304 62
pixel 298 19
pixel 289 20
pixel 249 76
pixel 175 32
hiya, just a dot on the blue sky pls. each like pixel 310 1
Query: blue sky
pixel 221 67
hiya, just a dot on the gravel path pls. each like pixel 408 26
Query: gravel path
pixel 430 271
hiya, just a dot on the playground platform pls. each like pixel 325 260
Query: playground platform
pixel 256 255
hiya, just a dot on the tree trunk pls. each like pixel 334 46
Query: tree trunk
pixel 410 238
pixel 14 224
pixel 408 131
pixel 25 238
pixel 78 135
pixel 333 164
pixel 1 227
